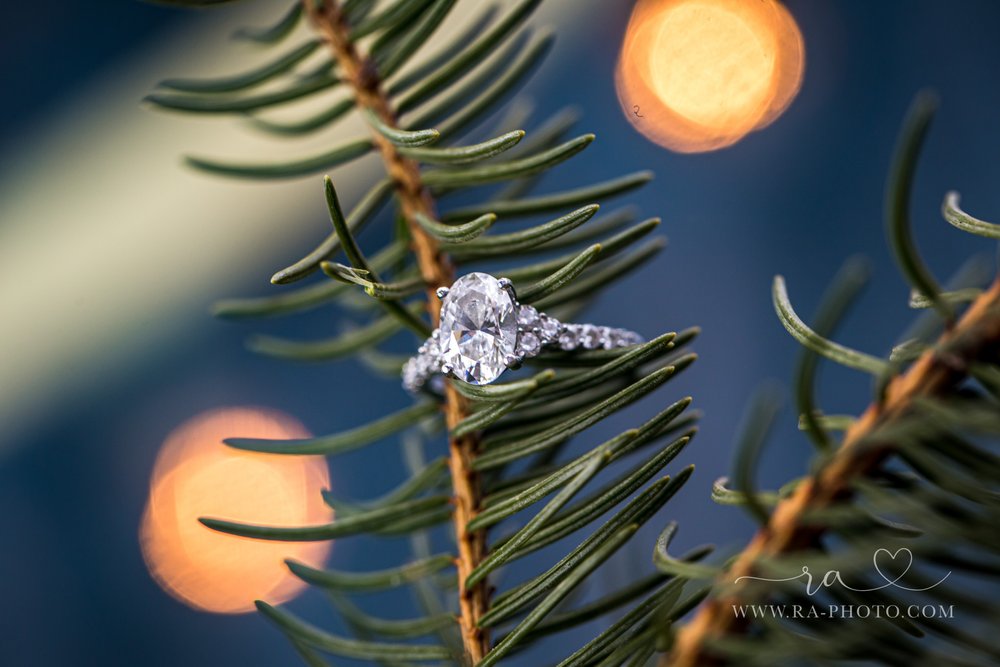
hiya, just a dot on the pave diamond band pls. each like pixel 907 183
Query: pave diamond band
pixel 484 331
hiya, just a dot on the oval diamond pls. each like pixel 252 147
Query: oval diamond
pixel 478 328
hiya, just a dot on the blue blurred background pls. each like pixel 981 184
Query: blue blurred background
pixel 76 453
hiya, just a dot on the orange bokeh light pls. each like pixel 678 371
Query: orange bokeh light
pixel 698 75
pixel 196 475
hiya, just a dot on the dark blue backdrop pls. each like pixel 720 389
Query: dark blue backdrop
pixel 797 199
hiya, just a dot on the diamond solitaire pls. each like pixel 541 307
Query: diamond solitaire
pixel 478 331
pixel 484 331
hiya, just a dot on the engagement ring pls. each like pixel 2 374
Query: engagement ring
pixel 484 331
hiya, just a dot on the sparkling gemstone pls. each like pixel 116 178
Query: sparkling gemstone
pixel 430 346
pixel 478 328
pixel 412 373
pixel 529 344
pixel 550 328
pixel 568 341
pixel 527 317
pixel 605 338
pixel 590 336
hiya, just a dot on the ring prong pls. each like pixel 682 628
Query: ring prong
pixel 507 285
pixel 513 361
pixel 441 292
pixel 447 368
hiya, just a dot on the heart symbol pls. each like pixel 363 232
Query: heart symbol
pixel 892 560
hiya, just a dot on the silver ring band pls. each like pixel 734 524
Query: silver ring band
pixel 485 330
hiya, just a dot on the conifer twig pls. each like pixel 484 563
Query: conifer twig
pixel 359 72
pixel 939 369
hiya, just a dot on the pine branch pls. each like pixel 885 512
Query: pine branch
pixel 436 269
pixel 935 376
pixel 520 436
pixel 911 468
pixel 936 373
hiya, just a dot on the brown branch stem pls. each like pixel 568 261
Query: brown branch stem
pixel 358 71
pixel 975 337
